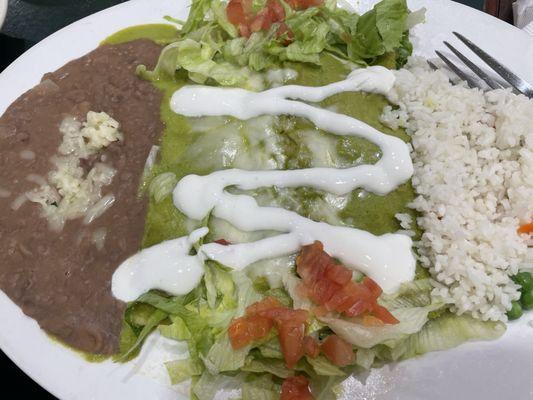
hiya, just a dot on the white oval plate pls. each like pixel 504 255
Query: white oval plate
pixel 489 371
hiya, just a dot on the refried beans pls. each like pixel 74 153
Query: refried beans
pixel 61 279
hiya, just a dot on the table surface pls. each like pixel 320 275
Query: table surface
pixel 28 22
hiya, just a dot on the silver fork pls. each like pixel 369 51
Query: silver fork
pixel 519 84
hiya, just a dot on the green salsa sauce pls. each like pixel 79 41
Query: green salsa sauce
pixel 182 153
pixel 159 33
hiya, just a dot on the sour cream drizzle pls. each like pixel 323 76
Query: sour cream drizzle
pixel 166 266
pixel 387 259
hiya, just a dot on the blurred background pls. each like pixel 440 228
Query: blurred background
pixel 28 22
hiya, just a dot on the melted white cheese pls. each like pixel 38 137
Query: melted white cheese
pixel 387 259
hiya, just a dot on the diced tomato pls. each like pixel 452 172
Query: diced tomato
pixel 235 12
pixel 361 295
pixel 284 30
pixel 352 294
pixel 291 336
pixel 293 4
pixel 358 308
pixel 374 288
pixel 266 304
pixel 244 30
pixel 304 4
pixel 282 314
pixel 238 333
pixel 330 285
pixel 296 388
pixel 245 330
pixel 259 327
pixel 240 14
pixel 311 347
pixel 252 326
pixel 526 228
pixel 370 320
pixel 277 10
pixel 272 13
pixel 261 21
pixel 302 290
pixel 319 311
pixel 223 242
pixel 312 262
pixel 323 290
pixel 383 314
pixel 338 299
pixel 339 274
pixel 338 351
pixel 291 331
pixel 360 290
pixel 259 320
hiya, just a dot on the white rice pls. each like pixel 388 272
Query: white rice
pixel 473 156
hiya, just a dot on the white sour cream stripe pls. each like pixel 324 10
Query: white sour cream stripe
pixel 387 259
pixel 394 168
pixel 166 266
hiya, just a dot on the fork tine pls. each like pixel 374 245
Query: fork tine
pixel 475 69
pixel 433 66
pixel 457 71
pixel 514 80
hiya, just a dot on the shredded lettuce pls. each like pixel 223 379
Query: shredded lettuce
pixel 241 386
pixel 411 294
pixel 272 366
pixel 446 332
pixel 227 387
pixel 411 305
pixel 191 318
pixel 209 48
pixel 391 22
pixel 201 319
pixel 222 357
pixel 323 367
pixel 131 347
pixel 291 282
pixel 162 185
pixel 197 58
pixel 177 330
pixel 199 8
pixel 220 287
pixel 411 321
pixel 271 349
pixel 128 337
pixel 181 370
pixel 246 292
pixel 261 388
pixel 327 387
pixel 365 358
